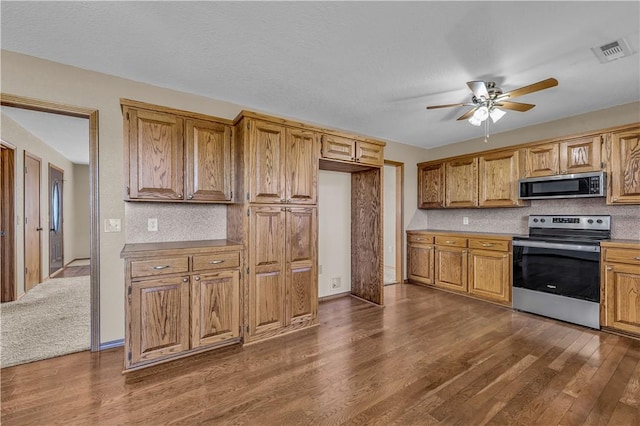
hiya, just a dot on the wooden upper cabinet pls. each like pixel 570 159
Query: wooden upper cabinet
pixel 543 160
pixel 169 157
pixel 461 178
pixel 346 149
pixel 624 167
pixel 155 155
pixel 581 155
pixel 301 175
pixel 498 176
pixel 577 155
pixel 267 157
pixel 431 186
pixel 208 161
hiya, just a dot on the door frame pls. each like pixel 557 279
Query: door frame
pixel 8 202
pixel 27 154
pixel 399 217
pixel 51 167
pixel 94 206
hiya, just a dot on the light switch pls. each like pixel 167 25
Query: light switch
pixel 112 225
pixel 465 220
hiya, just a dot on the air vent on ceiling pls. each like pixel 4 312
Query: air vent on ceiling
pixel 612 51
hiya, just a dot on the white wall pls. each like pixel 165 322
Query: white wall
pixel 389 222
pixel 334 231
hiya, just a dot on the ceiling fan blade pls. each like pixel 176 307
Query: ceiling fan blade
pixel 467 114
pixel 447 106
pixel 541 85
pixel 479 89
pixel 514 106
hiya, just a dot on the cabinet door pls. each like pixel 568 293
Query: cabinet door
pixel 451 268
pixel 498 179
pixel 215 308
pixel 369 153
pixel 338 148
pixel 266 269
pixel 580 155
pixel 159 315
pixel 489 275
pixel 208 154
pixel 431 186
pixel 267 157
pixel 301 174
pixel 420 266
pixel 301 247
pixel 155 155
pixel 622 297
pixel 624 168
pixel 543 160
pixel 462 183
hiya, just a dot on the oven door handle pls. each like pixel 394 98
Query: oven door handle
pixel 558 246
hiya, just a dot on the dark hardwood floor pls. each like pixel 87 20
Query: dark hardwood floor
pixel 73 271
pixel 428 357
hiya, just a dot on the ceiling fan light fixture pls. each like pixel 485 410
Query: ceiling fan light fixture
pixel 481 113
pixel 473 120
pixel 496 114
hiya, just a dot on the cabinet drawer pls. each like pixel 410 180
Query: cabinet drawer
pixel 210 261
pixel 622 256
pixel 482 244
pixel 420 238
pixel 147 268
pixel 451 241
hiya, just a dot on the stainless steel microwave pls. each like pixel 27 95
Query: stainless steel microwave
pixel 578 185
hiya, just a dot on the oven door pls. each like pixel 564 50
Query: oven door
pixel 571 270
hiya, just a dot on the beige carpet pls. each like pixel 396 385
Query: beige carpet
pixel 52 319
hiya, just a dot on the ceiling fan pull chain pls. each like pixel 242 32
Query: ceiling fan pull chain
pixel 486 131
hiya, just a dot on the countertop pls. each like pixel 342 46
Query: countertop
pixel 469 234
pixel 184 247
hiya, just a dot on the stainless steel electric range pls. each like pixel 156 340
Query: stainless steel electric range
pixel 556 268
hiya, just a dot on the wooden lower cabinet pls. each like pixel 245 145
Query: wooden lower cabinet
pixel 490 275
pixel 283 286
pixel 620 288
pixel 464 263
pixel 182 298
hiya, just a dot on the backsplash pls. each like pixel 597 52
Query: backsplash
pixel 176 222
pixel 625 220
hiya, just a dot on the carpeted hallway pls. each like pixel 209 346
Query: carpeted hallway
pixel 52 319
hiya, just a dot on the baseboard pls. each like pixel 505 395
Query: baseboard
pixel 333 296
pixel 111 344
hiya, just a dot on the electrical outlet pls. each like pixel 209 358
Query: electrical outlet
pixel 112 225
pixel 152 224
pixel 336 282
pixel 465 220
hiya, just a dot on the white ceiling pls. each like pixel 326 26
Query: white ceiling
pixel 69 136
pixel 366 67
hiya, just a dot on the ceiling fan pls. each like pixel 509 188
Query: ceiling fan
pixel 488 100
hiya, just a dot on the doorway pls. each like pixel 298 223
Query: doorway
pixel 91 115
pixel 32 226
pixel 56 219
pixel 7 222
pixel 393 221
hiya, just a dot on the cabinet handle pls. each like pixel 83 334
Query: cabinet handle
pixel 419 239
pixel 190 196
pixel 289 201
pixel 282 209
pixel 449 242
pixel 564 172
pixel 180 196
pixel 487 245
pixel 185 279
pixel 636 258
pixel 609 268
pixel 282 200
pixel 161 267
pixel 197 278
pixel 288 209
pixel 215 262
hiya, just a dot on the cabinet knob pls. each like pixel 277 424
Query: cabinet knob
pixel 609 268
pixel 197 278
pixel 289 201
pixel 190 196
pixel 180 196
pixel 636 258
pixel 282 200
pixel 185 279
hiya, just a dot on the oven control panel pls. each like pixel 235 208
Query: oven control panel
pixel 597 222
